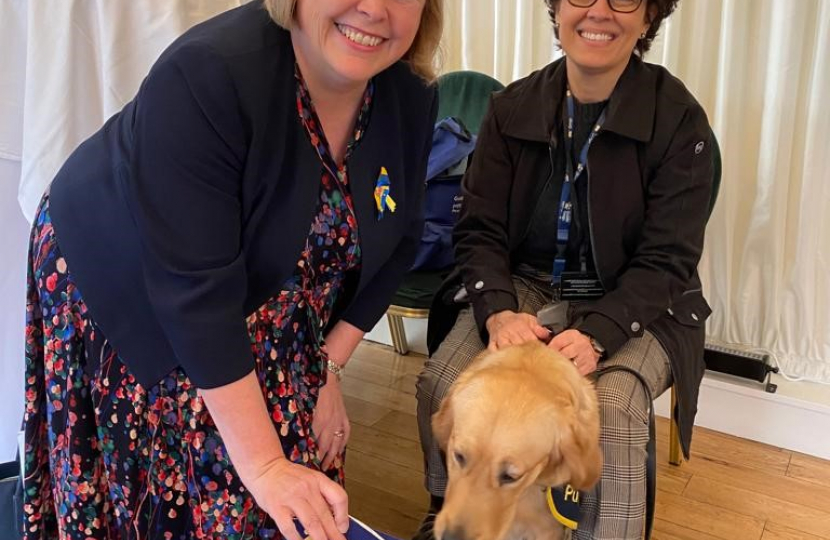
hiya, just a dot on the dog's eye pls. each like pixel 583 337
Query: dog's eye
pixel 460 459
pixel 507 478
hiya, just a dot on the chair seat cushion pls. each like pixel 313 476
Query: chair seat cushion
pixel 418 288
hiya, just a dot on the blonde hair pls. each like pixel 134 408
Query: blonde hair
pixel 421 56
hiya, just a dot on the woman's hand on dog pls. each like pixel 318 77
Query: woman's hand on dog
pixel 576 346
pixel 510 328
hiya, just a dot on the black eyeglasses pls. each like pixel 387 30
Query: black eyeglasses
pixel 620 6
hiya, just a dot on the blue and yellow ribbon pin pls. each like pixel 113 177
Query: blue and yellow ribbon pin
pixel 383 200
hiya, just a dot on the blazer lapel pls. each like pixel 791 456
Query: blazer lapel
pixel 381 146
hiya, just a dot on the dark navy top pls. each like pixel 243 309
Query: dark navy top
pixel 189 208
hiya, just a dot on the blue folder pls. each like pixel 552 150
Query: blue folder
pixel 360 531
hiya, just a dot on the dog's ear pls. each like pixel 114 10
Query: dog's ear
pixel 582 457
pixel 575 457
pixel 442 421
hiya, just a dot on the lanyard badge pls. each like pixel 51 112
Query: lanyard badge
pixel 587 284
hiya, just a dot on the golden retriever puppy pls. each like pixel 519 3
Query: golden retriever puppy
pixel 515 422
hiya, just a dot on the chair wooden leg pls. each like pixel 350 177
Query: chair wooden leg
pixel 398 333
pixel 675 453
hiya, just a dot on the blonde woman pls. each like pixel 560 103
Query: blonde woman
pixel 203 267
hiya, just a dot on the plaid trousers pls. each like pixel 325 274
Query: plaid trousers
pixel 615 508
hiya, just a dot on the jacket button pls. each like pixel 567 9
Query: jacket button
pixel 479 285
pixel 635 326
pixel 695 317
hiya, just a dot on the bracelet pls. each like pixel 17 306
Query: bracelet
pixel 335 369
pixel 598 348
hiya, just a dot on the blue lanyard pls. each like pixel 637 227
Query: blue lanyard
pixel 563 228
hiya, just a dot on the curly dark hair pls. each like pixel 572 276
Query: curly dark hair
pixel 661 9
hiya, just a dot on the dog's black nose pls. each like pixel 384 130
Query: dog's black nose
pixel 454 534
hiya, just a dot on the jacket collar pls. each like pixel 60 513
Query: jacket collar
pixel 630 110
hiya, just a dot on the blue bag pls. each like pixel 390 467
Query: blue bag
pixel 452 145
pixel 451 142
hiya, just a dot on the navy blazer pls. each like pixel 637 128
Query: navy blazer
pixel 189 208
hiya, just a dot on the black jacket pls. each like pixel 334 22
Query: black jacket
pixel 649 182
pixel 190 207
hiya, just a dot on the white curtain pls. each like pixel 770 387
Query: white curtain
pixel 761 69
pixel 66 66
pixel 84 61
pixel 503 38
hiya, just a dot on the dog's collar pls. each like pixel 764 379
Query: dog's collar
pixel 563 503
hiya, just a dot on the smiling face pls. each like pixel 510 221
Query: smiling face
pixel 598 40
pixel 347 42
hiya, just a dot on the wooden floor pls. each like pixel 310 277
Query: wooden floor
pixel 732 489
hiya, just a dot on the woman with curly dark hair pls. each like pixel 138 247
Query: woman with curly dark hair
pixel 582 226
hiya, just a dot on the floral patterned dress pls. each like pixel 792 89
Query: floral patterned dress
pixel 107 458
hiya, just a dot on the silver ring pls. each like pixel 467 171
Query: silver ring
pixel 339 433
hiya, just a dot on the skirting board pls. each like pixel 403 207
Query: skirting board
pixel 726 405
pixel 736 408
